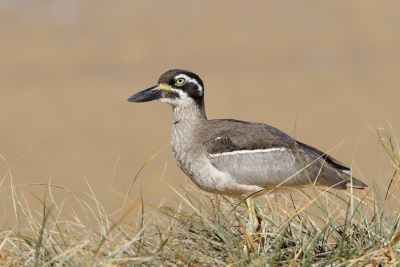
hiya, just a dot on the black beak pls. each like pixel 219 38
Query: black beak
pixel 146 95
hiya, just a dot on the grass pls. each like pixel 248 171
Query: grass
pixel 309 227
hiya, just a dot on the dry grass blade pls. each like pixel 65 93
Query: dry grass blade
pixel 38 245
pixel 145 163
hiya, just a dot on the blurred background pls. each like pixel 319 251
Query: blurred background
pixel 325 72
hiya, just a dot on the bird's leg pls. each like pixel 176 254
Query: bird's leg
pixel 253 225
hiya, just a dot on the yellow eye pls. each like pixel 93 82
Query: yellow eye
pixel 180 82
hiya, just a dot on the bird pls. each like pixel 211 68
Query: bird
pixel 238 158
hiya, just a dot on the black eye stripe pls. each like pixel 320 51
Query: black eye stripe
pixel 192 90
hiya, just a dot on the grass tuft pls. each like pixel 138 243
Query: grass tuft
pixel 306 227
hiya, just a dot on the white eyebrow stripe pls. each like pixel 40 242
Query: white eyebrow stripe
pixel 191 80
pixel 238 152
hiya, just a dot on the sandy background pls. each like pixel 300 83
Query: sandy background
pixel 327 72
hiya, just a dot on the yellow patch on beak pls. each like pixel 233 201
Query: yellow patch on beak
pixel 163 86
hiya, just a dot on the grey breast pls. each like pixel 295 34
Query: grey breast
pixel 259 154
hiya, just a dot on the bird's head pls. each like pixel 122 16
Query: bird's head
pixel 175 87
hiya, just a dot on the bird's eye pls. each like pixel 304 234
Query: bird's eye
pixel 180 82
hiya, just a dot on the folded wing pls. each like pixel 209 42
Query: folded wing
pixel 259 154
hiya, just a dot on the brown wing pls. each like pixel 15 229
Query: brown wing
pixel 222 136
pixel 219 136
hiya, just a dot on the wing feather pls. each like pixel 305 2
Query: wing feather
pixel 259 154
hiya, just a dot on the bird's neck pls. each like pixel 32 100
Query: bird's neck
pixel 190 114
pixel 185 119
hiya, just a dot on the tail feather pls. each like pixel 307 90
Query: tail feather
pixel 354 182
